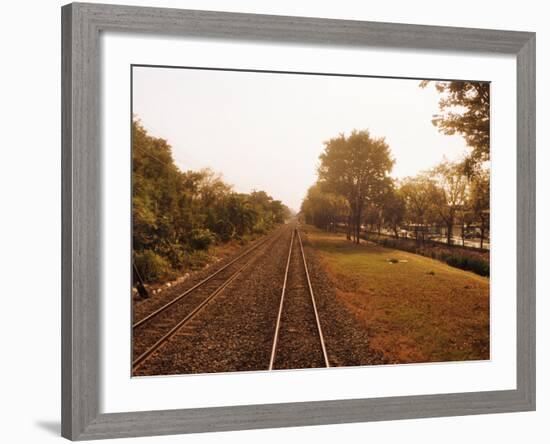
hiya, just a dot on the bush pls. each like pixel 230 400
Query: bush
pixel 478 266
pixel 151 266
pixel 201 238
pixel 196 260
pixel 225 230
pixel 174 253
pixel 260 228
pixel 454 256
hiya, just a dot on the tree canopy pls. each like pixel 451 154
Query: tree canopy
pixel 177 215
pixel 357 168
pixel 324 209
pixel 465 109
pixel 354 191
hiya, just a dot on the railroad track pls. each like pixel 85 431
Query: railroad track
pixel 298 340
pixel 167 320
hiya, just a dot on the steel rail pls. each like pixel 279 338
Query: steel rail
pixel 318 321
pixel 281 304
pixel 136 363
pixel 199 284
pixel 278 324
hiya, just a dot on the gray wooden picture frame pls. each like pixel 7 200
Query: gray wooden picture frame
pixel 81 231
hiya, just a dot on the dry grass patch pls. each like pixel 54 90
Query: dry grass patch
pixel 416 309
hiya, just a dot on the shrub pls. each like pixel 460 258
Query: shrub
pixel 151 266
pixel 260 228
pixel 225 230
pixel 196 260
pixel 174 253
pixel 478 266
pixel 201 238
pixel 452 255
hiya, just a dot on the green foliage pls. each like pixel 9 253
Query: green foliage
pixel 357 168
pixel 261 227
pixel 196 260
pixel 152 266
pixel 478 266
pixel 420 193
pixel 465 110
pixel 452 184
pixel 393 209
pixel 224 229
pixel 178 215
pixel 451 198
pixel 324 210
pixel 479 200
pixel 201 239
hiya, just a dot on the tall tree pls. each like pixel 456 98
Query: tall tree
pixel 451 199
pixel 374 217
pixel 479 198
pixel 356 167
pixel 420 194
pixel 322 209
pixel 465 109
pixel 175 214
pixel 241 213
pixel 393 209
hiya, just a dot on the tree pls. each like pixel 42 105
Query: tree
pixel 479 201
pixel 280 212
pixel 269 211
pixel 420 193
pixel 388 211
pixel 374 217
pixel 451 198
pixel 175 213
pixel 324 210
pixel 465 110
pixel 357 168
pixel 393 209
pixel 240 212
pixel 157 192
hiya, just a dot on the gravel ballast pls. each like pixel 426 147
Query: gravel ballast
pixel 346 340
pixel 299 343
pixel 235 331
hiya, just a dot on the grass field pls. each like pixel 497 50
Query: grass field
pixel 416 309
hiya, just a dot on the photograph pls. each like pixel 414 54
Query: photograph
pixel 275 222
pixel 294 220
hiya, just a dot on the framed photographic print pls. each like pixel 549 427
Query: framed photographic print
pixel 279 221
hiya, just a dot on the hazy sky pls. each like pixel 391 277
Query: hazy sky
pixel 265 131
